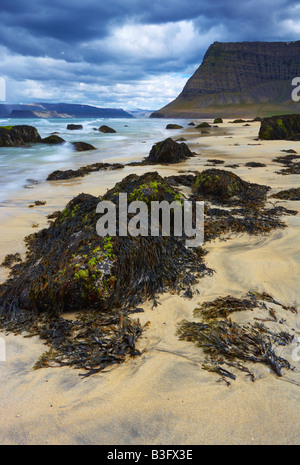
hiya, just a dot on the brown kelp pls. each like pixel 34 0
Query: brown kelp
pixel 226 343
pixel 60 175
pixel 232 205
pixel 69 268
pixel 290 161
pixel 289 194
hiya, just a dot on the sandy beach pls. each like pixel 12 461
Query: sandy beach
pixel 164 396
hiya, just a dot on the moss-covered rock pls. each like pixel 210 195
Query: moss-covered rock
pixel 218 121
pixel 106 129
pixel 168 151
pixel 173 126
pixel 203 125
pixel 69 266
pixel 74 127
pixel 285 127
pixel 53 139
pixel 226 187
pixel 14 136
pixel 82 146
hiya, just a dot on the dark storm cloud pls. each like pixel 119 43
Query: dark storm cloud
pixel 118 44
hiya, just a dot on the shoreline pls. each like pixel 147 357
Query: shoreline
pixel 156 398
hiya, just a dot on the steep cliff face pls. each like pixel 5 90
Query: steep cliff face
pixel 243 78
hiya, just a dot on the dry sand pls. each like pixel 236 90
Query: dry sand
pixel 164 396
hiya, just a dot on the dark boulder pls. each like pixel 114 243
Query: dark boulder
pixel 14 136
pixel 69 267
pixel 174 126
pixel 285 127
pixel 203 125
pixel 223 186
pixel 82 146
pixel 53 139
pixel 106 129
pixel 74 127
pixel 218 121
pixel 169 151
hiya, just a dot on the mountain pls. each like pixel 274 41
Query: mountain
pixel 240 79
pixel 59 110
pixel 139 113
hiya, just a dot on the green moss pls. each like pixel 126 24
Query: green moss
pixel 81 274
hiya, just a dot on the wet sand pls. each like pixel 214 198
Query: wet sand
pixel 164 396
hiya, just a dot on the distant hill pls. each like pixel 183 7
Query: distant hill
pixel 240 79
pixel 59 110
pixel 139 113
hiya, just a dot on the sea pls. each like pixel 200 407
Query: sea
pixel 21 167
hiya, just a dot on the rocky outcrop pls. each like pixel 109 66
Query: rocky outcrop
pixel 14 136
pixel 239 79
pixel 106 129
pixel 82 146
pixel 54 139
pixel 168 151
pixel 173 126
pixel 69 267
pixel 285 127
pixel 226 187
pixel 74 127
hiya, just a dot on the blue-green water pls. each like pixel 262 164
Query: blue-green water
pixel 134 138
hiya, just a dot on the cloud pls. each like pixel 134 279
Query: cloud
pixel 124 53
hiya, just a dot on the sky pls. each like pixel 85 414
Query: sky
pixel 126 54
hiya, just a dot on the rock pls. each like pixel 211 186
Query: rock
pixel 191 123
pixel 168 151
pixel 14 136
pixel 106 129
pixel 69 267
pixel 238 121
pixel 82 146
pixel 218 121
pixel 254 164
pixel 174 126
pixel 203 125
pixel 285 127
pixel 53 139
pixel 222 186
pixel 74 127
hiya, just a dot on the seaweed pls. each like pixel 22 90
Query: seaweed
pixel 291 166
pixel 227 190
pixel 59 175
pixel 289 194
pixel 69 268
pixel 10 260
pixel 227 343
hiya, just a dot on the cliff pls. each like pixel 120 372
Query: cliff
pixel 240 79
